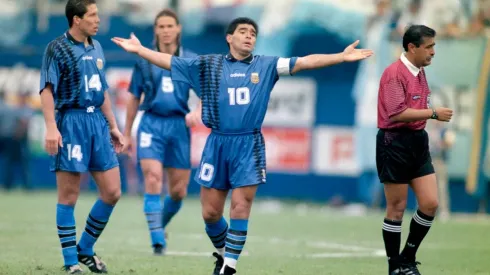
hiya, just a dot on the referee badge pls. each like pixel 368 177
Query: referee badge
pixel 100 63
pixel 255 78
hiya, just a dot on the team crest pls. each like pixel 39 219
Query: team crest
pixel 100 63
pixel 255 78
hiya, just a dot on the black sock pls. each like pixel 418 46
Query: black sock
pixel 392 231
pixel 419 226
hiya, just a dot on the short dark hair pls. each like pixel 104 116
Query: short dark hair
pixel 241 20
pixel 415 34
pixel 76 8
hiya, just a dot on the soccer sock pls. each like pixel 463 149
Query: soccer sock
pixel 217 234
pixel 392 231
pixel 235 241
pixel 96 222
pixel 170 208
pixel 153 211
pixel 419 226
pixel 65 221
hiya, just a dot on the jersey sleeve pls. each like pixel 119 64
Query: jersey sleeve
pixel 393 97
pixel 135 86
pixel 285 66
pixel 103 79
pixel 186 70
pixel 49 69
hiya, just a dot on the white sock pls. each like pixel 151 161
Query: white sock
pixel 228 262
pixel 221 251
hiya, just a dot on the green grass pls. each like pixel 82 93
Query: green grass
pixel 282 240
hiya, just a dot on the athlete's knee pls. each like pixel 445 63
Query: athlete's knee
pixel 396 208
pixel 178 190
pixel 153 181
pixel 241 207
pixel 111 195
pixel 68 196
pixel 211 213
pixel 429 206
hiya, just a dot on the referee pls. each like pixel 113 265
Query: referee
pixel 402 147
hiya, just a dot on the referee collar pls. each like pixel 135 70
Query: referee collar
pixel 414 70
pixel 247 60
pixel 76 42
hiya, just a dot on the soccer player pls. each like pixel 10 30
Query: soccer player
pixel 235 90
pixel 73 89
pixel 163 137
pixel 402 150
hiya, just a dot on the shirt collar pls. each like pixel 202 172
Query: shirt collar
pixel 247 60
pixel 414 70
pixel 76 42
pixel 179 52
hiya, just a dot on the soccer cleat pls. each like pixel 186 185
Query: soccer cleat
pixel 159 250
pixel 228 271
pixel 93 263
pixel 72 269
pixel 218 264
pixel 409 268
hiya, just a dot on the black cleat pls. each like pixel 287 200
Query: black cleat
pixel 93 263
pixel 218 264
pixel 159 250
pixel 228 271
pixel 406 267
pixel 72 269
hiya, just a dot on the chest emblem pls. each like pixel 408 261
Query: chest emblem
pixel 100 63
pixel 254 78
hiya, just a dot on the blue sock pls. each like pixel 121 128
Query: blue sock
pixel 96 222
pixel 65 221
pixel 170 208
pixel 153 211
pixel 235 241
pixel 217 234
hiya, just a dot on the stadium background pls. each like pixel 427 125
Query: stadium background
pixel 310 124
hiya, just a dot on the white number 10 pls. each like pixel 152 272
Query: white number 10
pixel 240 96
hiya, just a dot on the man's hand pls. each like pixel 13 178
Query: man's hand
pixel 128 145
pixel 351 54
pixel 193 118
pixel 117 140
pixel 444 114
pixel 53 140
pixel 132 45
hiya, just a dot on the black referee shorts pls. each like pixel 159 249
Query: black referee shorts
pixel 402 155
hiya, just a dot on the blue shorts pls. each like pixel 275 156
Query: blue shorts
pixel 166 139
pixel 87 142
pixel 232 160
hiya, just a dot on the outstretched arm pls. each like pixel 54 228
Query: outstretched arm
pixel 133 45
pixel 316 61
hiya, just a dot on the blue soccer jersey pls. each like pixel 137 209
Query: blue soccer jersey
pixel 75 72
pixel 162 96
pixel 234 93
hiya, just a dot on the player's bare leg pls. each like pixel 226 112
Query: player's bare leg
pixel 396 202
pixel 241 206
pixel 152 206
pixel 178 180
pixel 212 205
pixel 68 184
pixel 425 189
pixel 109 185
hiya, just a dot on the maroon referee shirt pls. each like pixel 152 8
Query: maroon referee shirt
pixel 402 86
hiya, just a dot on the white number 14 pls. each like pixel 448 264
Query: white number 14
pixel 74 152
